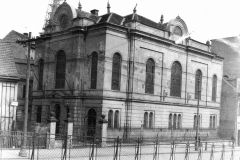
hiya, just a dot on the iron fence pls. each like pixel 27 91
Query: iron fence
pixel 55 147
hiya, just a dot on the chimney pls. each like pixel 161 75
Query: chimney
pixel 94 12
pixel 25 34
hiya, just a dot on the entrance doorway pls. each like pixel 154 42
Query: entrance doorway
pixel 57 111
pixel 91 122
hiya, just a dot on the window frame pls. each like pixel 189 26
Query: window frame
pixel 176 85
pixel 198 87
pixel 150 76
pixel 60 71
pixel 116 71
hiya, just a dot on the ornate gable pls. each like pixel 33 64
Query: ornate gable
pixel 63 16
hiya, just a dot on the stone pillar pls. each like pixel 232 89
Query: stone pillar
pixel 69 129
pixel 52 130
pixel 103 122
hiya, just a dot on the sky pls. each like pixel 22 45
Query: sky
pixel 209 19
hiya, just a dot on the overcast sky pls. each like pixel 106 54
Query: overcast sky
pixel 209 19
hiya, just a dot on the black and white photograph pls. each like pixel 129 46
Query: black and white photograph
pixel 119 80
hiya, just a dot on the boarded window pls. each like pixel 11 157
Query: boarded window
pixel 94 70
pixel 176 79
pixel 214 88
pixel 116 119
pixel 38 114
pixel 116 71
pixel 40 74
pixel 110 119
pixel 150 69
pixel 198 84
pixel 60 70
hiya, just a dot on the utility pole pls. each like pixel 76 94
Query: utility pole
pixel 197 129
pixel 23 151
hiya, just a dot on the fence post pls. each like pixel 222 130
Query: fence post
pixel 103 122
pixel 52 126
pixel 172 151
pixel 212 152
pixel 69 122
pixel 116 149
pixel 232 154
pixel 33 144
pixel 206 146
pixel 187 151
pixel 223 152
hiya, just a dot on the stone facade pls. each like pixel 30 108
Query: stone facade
pixel 136 40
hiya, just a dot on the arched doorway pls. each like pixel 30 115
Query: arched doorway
pixel 91 122
pixel 57 111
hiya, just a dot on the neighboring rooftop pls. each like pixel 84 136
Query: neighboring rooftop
pixel 7 68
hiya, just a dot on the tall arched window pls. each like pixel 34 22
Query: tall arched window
pixel 176 79
pixel 214 88
pixel 38 114
pixel 151 120
pixel 94 70
pixel 116 71
pixel 116 119
pixel 110 119
pixel 40 74
pixel 145 125
pixel 60 70
pixel 150 70
pixel 170 121
pixel 198 84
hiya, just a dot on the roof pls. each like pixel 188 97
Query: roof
pixel 13 35
pixel 7 68
pixel 111 18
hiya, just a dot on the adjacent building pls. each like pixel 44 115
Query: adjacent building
pixel 19 54
pixel 9 79
pixel 229 48
pixel 128 68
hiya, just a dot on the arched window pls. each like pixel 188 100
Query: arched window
pixel 40 74
pixel 210 125
pixel 170 121
pixel 151 120
pixel 116 119
pixel 145 125
pixel 214 88
pixel 116 71
pixel 179 121
pixel 94 70
pixel 176 79
pixel 175 121
pixel 177 31
pixel 198 84
pixel 38 114
pixel 150 70
pixel 195 122
pixel 110 119
pixel 60 70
